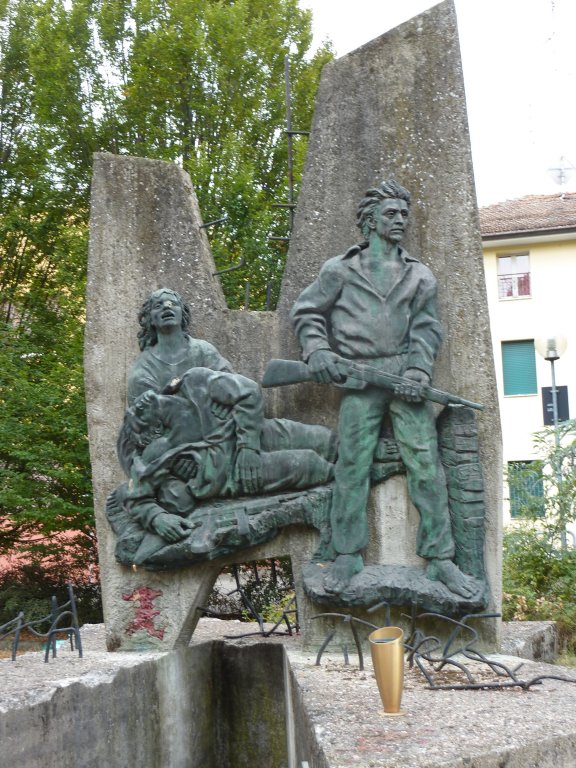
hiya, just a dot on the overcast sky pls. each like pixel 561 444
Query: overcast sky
pixel 519 60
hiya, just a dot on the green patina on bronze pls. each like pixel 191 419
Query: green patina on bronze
pixel 376 305
pixel 209 476
pixel 194 432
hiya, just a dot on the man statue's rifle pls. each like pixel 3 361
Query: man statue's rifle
pixel 279 373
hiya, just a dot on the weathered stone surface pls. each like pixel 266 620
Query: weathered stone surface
pixel 209 706
pixel 145 233
pixel 156 710
pixel 534 640
pixel 394 584
pixel 394 107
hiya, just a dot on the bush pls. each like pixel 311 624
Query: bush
pixel 539 583
pixel 268 584
pixel 539 575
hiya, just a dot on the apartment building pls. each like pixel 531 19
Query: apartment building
pixel 530 264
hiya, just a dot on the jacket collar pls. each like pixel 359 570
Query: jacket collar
pixel 355 250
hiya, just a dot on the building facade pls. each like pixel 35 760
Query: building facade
pixel 530 265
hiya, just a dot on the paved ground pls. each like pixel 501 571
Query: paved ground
pixel 445 728
pixel 478 729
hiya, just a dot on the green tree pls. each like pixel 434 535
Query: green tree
pixel 45 484
pixel 543 492
pixel 202 83
pixel 199 82
pixel 539 570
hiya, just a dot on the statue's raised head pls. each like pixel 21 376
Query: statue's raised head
pixel 163 298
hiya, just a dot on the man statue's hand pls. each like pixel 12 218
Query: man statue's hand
pixel 411 388
pixel 248 470
pixel 185 469
pixel 171 527
pixel 220 410
pixel 323 365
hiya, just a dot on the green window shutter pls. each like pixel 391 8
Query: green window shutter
pixel 519 366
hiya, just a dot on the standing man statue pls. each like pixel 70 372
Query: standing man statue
pixel 376 304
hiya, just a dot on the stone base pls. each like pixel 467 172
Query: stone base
pixel 535 640
pixel 167 709
pixel 394 584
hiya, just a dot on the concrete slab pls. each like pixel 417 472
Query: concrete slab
pixel 335 716
pixel 535 640
pixel 452 729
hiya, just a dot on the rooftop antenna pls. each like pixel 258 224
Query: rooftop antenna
pixel 562 171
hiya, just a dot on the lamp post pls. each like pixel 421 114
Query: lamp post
pixel 551 348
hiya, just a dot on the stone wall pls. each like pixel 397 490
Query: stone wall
pixel 208 706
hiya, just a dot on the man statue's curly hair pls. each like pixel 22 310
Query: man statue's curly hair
pixel 373 197
pixel 147 335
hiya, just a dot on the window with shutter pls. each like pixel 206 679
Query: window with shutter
pixel 526 488
pixel 519 367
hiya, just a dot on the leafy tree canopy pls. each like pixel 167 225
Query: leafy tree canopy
pixel 199 82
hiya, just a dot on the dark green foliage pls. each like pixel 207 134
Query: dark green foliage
pixel 199 82
pixel 191 81
pixel 30 588
pixel 539 583
pixel 544 491
pixel 45 483
pixel 268 584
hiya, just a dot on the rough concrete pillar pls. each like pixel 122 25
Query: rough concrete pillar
pixel 396 107
pixel 146 232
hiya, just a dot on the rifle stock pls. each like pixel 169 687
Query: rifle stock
pixel 279 373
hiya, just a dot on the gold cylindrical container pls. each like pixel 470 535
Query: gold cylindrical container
pixel 387 648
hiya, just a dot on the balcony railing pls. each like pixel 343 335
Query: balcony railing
pixel 512 286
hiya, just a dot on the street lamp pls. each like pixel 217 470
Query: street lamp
pixel 552 348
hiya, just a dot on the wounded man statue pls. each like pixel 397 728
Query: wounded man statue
pixel 194 432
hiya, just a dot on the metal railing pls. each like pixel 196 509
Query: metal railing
pixel 513 286
pixel 62 619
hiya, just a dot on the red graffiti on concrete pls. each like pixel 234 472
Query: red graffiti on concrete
pixel 144 611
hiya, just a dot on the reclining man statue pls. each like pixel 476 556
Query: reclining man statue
pixel 195 430
pixel 376 305
pixel 183 447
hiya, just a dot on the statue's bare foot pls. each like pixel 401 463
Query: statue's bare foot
pixel 451 576
pixel 341 571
